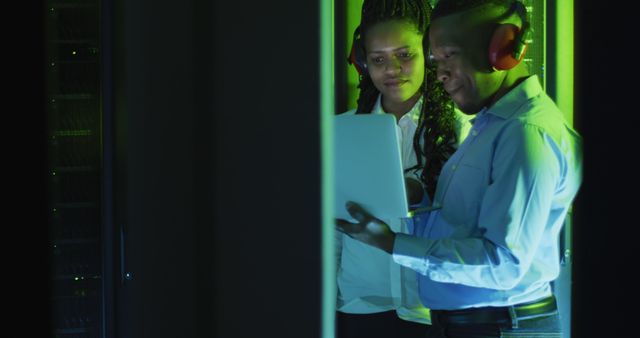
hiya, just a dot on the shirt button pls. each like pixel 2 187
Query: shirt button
pixel 474 132
pixel 453 167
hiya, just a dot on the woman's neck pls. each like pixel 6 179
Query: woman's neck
pixel 398 109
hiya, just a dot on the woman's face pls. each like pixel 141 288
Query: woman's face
pixel 395 60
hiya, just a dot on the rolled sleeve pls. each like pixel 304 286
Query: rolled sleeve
pixel 411 251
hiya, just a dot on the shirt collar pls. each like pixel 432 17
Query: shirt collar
pixel 509 104
pixel 414 113
pixel 479 116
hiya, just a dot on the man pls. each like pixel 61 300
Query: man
pixel 488 249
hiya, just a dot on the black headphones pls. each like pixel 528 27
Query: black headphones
pixel 357 57
pixel 508 42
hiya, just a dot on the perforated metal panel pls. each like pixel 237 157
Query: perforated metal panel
pixel 74 159
pixel 535 57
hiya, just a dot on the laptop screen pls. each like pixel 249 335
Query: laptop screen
pixel 368 166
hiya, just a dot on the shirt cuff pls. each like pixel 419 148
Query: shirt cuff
pixel 411 251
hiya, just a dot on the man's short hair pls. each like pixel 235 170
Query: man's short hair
pixel 448 7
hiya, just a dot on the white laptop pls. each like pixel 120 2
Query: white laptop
pixel 368 166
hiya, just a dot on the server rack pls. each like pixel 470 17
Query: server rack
pixel 75 167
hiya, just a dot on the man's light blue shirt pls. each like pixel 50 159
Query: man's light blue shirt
pixel 502 198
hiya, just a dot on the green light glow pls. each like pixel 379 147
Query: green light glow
pixel 564 58
pixel 564 76
pixel 327 104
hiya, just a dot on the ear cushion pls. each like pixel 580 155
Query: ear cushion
pixel 503 43
pixel 357 57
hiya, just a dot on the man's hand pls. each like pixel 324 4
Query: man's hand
pixel 369 229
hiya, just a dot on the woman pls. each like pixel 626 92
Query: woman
pixel 376 297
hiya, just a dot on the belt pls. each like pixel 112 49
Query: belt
pixel 508 315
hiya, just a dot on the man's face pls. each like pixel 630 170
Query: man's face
pixel 460 48
pixel 395 60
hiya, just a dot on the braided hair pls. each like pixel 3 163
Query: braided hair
pixel 436 121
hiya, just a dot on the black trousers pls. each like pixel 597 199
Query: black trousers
pixel 542 327
pixel 377 325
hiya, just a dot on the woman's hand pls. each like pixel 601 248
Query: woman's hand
pixel 415 192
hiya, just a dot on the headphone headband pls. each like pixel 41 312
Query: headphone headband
pixel 525 31
pixel 509 43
